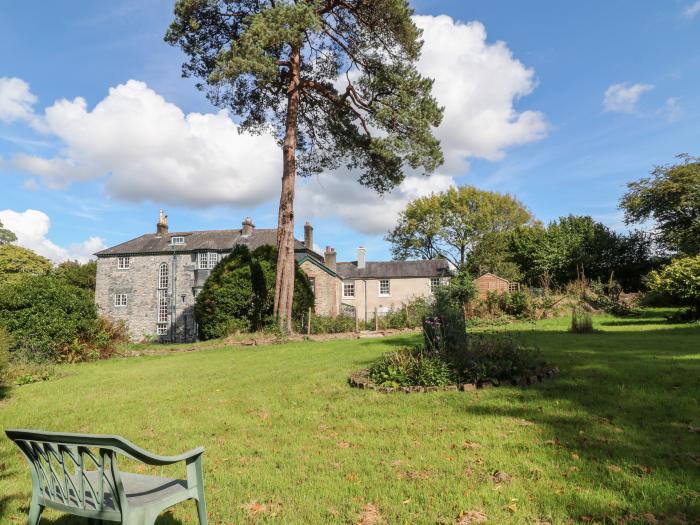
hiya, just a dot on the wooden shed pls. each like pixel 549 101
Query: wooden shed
pixel 491 283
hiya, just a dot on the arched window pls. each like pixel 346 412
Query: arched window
pixel 163 277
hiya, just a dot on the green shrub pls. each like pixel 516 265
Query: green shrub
pixel 680 281
pixel 16 262
pixel 518 304
pixel 49 319
pixel 238 296
pixel 491 357
pixel 581 321
pixel 445 329
pixel 81 275
pixel 408 367
pixel 4 356
pixel 325 324
pixel 409 315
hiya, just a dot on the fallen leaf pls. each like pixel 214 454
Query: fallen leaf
pixel 470 445
pixel 524 423
pixel 513 506
pixel 471 516
pixel 575 456
pixel 614 468
pixel 343 444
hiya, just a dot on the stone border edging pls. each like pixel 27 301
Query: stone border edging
pixel 361 380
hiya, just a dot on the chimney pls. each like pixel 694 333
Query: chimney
pixel 361 258
pixel 248 227
pixel 329 258
pixel 162 226
pixel 309 236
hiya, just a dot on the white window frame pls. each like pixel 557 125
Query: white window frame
pixel 388 287
pixel 123 263
pixel 177 239
pixel 435 282
pixel 346 285
pixel 163 276
pixel 207 260
pixel 162 329
pixel 163 307
pixel 121 300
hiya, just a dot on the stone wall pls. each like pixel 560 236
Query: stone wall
pixel 140 283
pixel 327 289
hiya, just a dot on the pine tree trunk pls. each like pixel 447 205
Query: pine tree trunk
pixel 284 284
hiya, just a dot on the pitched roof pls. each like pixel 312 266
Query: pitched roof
pixel 394 269
pixel 214 240
pixel 489 274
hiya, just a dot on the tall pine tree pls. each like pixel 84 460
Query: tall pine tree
pixel 334 80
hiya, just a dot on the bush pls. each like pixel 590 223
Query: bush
pixel 16 262
pixel 4 356
pixel 239 295
pixel 326 324
pixel 408 367
pixel 81 275
pixel 581 320
pixel 49 319
pixel 518 304
pixel 490 357
pixel 410 315
pixel 679 281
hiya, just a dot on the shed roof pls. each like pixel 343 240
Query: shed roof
pixel 488 274
pixel 394 269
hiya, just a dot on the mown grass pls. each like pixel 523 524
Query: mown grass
pixel 614 436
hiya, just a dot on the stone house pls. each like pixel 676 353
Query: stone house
pixel 152 281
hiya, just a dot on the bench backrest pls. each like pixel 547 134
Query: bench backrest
pixel 76 471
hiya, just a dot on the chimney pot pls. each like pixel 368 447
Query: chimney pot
pixel 330 258
pixel 309 236
pixel 248 227
pixel 162 225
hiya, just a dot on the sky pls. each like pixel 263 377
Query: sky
pixel 560 104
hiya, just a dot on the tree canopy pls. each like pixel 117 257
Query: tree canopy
pixel 334 80
pixel 452 224
pixel 239 293
pixel 679 280
pixel 16 261
pixel 671 198
pixel 6 236
pixel 81 275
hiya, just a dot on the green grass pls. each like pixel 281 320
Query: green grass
pixel 613 436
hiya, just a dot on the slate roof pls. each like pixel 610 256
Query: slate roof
pixel 211 240
pixel 394 269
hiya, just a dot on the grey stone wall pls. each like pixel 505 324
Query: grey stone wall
pixel 140 283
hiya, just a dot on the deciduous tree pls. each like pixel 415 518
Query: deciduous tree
pixel 453 223
pixel 671 198
pixel 6 236
pixel 334 80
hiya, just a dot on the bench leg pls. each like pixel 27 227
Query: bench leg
pixel 34 514
pixel 202 510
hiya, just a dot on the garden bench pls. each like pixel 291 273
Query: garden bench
pixel 79 474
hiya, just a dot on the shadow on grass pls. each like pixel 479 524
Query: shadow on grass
pixel 66 519
pixel 627 399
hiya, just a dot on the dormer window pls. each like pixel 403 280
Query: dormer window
pixel 177 240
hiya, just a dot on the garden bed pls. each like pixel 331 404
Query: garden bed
pixel 360 379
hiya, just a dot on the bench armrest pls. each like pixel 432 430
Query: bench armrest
pixel 154 459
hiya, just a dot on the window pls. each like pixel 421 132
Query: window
pixel 349 289
pixel 120 299
pixel 177 240
pixel 384 288
pixel 162 306
pixel 434 283
pixel 123 263
pixel 312 282
pixel 183 298
pixel 207 260
pixel 162 329
pixel 163 276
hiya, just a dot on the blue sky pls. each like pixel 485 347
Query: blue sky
pixel 560 105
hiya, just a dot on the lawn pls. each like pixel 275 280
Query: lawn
pixel 611 438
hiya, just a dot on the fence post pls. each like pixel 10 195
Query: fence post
pixel 376 320
pixel 308 325
pixel 357 321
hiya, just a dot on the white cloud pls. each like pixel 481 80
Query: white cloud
pixel 148 149
pixel 623 98
pixel 478 83
pixel 339 194
pixel 692 10
pixel 671 110
pixel 16 100
pixel 31 228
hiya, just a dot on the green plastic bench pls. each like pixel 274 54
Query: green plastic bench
pixel 78 474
